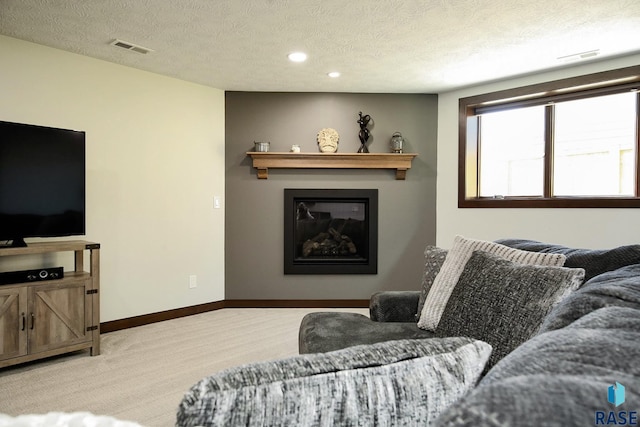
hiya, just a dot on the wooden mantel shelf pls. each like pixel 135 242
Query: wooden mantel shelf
pixel 262 161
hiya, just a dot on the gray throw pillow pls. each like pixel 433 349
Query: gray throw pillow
pixel 433 259
pixel 503 302
pixel 455 262
pixel 404 382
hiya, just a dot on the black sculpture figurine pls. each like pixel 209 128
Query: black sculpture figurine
pixel 363 121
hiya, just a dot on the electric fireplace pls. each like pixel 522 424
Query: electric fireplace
pixel 330 231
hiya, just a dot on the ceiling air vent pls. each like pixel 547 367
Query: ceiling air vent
pixel 130 46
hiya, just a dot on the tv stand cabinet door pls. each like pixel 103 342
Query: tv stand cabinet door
pixel 13 312
pixel 58 315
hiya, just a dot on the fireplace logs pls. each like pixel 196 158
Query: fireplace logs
pixel 332 237
pixel 331 243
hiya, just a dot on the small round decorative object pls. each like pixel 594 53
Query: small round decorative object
pixel 262 147
pixel 328 140
pixel 295 148
pixel 397 142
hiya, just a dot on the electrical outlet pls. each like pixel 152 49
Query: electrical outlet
pixel 193 281
pixel 216 202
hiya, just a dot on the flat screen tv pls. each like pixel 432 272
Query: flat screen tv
pixel 42 182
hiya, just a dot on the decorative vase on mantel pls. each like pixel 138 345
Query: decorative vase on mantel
pixel 397 143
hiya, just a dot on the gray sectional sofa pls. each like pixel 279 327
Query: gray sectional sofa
pixel 573 360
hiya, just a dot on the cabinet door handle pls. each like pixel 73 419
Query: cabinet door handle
pixel 24 322
pixel 33 321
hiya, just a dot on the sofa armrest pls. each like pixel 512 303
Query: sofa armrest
pixel 394 306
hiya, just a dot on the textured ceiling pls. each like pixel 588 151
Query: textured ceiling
pixel 413 46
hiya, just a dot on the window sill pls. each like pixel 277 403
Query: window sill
pixel 556 202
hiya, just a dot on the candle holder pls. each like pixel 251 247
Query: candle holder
pixel 397 143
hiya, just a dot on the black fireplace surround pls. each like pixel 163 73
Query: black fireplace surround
pixel 330 231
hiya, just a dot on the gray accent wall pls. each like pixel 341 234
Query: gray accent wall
pixel 254 208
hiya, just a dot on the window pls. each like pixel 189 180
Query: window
pixel 568 143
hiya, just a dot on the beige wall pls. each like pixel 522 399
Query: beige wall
pixel 254 222
pixel 155 160
pixel 588 228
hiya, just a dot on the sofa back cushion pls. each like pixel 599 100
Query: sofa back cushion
pixel 619 288
pixel 594 261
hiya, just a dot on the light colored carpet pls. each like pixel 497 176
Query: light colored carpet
pixel 142 373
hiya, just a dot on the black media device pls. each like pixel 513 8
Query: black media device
pixel 36 275
pixel 42 183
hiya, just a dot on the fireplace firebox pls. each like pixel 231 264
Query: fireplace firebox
pixel 330 231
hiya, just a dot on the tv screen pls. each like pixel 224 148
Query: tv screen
pixel 42 182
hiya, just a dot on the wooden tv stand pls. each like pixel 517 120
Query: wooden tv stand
pixel 45 318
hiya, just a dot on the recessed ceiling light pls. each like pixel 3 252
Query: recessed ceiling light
pixel 333 74
pixel 297 57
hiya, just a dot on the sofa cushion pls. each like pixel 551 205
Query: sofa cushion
pixel 594 261
pixel 503 302
pixel 559 378
pixel 455 262
pixel 620 287
pixel 329 331
pixel 392 383
pixel 433 259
